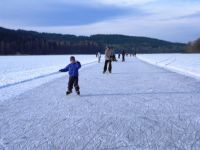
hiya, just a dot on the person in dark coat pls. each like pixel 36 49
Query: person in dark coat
pixel 72 68
pixel 113 56
pixel 123 55
pixel 135 53
pixel 119 55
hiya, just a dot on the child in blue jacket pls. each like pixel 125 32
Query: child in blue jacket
pixel 72 68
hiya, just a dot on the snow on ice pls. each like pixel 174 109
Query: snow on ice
pixel 186 64
pixel 15 70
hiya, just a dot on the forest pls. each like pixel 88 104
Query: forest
pixel 21 42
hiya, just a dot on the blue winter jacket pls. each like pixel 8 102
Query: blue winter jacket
pixel 72 68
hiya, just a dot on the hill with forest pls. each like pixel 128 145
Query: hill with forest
pixel 21 42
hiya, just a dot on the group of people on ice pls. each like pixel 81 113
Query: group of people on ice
pixel 113 54
pixel 74 66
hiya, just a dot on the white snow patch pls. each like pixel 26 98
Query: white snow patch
pixel 15 71
pixel 186 64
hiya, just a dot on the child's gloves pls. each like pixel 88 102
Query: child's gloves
pixel 61 70
pixel 78 62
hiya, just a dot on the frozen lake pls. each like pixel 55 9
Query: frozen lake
pixel 32 71
pixel 137 107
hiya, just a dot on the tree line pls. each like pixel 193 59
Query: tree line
pixel 21 42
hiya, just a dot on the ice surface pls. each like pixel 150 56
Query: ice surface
pixel 187 64
pixel 137 107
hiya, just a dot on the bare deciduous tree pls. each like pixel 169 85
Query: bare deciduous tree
pixel 194 47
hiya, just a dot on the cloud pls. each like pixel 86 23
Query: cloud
pixel 178 8
pixel 173 30
pixel 60 13
pixel 124 2
pixel 175 21
pixel 191 16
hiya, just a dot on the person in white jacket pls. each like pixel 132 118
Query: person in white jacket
pixel 99 57
pixel 108 60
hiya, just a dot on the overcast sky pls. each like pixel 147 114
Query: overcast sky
pixel 172 20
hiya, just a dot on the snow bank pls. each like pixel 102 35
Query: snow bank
pixel 186 64
pixel 19 74
pixel 18 69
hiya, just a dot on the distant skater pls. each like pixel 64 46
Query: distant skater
pixel 113 56
pixel 135 53
pixel 99 57
pixel 123 56
pixel 72 68
pixel 118 55
pixel 108 60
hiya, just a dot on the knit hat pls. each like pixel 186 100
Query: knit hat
pixel 72 58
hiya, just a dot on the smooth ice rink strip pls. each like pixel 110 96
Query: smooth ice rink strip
pixel 186 64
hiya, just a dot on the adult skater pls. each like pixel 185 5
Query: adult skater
pixel 99 57
pixel 108 60
pixel 123 56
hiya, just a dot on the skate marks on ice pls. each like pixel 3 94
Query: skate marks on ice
pixel 142 93
pixel 133 111
pixel 2 145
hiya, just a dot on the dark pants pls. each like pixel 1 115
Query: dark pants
pixel 73 81
pixel 108 66
pixel 123 57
